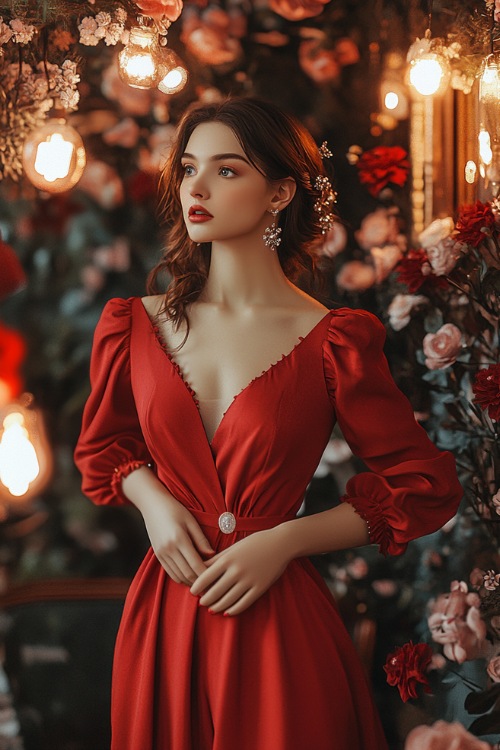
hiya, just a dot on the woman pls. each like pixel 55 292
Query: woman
pixel 210 409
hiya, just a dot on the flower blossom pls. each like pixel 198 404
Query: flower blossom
pixel 496 502
pixel 491 580
pixel 493 669
pixel 170 9
pixel 297 10
pixel 87 28
pixel 384 259
pixel 455 622
pixel 400 308
pixel 443 256
pixel 475 222
pixel 438 230
pixel 356 276
pixel 415 269
pixel 486 388
pixel 333 242
pixel 381 166
pixel 5 32
pixel 441 349
pixel 443 736
pixel 406 668
pixel 381 227
pixel 23 32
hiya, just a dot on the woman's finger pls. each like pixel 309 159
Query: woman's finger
pixel 243 603
pixel 218 589
pixel 209 576
pixel 171 570
pixel 199 539
pixel 193 559
pixel 230 597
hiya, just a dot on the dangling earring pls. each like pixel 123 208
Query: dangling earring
pixel 271 234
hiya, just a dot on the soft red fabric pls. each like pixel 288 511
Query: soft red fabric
pixel 283 675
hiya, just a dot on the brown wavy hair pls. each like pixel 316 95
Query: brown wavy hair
pixel 278 146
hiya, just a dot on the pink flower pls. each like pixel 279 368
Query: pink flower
pixel 334 241
pixel 209 39
pixel 318 63
pixel 400 309
pixel 381 227
pixel 476 578
pixel 443 736
pixel 297 10
pixel 455 622
pixel 356 276
pixel 443 256
pixel 496 502
pixel 159 8
pixel 384 259
pixel 493 669
pixel 385 587
pixel 441 349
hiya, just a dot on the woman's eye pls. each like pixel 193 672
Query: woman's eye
pixel 188 169
pixel 226 172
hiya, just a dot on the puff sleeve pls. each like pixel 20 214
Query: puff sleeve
pixel 111 444
pixel 412 488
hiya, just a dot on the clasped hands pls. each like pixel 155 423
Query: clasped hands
pixel 237 576
pixel 226 582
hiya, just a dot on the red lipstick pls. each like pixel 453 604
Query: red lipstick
pixel 197 214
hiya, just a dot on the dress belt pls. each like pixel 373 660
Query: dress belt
pixel 227 522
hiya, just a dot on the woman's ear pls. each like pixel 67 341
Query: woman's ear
pixel 284 193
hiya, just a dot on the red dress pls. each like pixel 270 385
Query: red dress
pixel 283 675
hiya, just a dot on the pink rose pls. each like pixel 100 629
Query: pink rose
pixel 441 349
pixel 476 578
pixel 208 40
pixel 455 622
pixel 334 241
pixel 297 10
pixel 400 308
pixel 493 669
pixel 356 276
pixel 443 736
pixel 438 230
pixel 318 63
pixel 379 228
pixel 443 256
pixel 384 259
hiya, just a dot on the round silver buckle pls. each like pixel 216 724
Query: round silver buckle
pixel 227 522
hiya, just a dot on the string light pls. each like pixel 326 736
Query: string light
pixel 173 74
pixel 489 121
pixel 429 73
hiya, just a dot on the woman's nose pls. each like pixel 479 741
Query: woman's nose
pixel 198 187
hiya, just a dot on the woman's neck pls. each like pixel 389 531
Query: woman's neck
pixel 245 276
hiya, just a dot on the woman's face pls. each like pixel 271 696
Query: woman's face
pixel 223 196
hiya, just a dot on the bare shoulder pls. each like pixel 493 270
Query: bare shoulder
pixel 308 306
pixel 153 304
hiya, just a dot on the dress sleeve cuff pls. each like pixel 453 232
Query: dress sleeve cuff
pixel 379 529
pixel 122 471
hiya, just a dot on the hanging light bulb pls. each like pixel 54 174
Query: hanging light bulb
pixel 429 73
pixel 173 74
pixel 139 61
pixel 25 459
pixel 54 156
pixel 489 119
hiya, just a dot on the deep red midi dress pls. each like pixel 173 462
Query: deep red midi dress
pixel 283 675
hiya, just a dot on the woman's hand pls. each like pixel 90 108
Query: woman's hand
pixel 177 539
pixel 237 576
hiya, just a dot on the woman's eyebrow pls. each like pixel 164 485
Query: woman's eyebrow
pixel 217 157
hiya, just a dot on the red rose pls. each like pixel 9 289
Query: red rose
pixel 159 8
pixel 472 219
pixel 415 270
pixel 486 387
pixel 406 667
pixel 382 165
pixel 12 352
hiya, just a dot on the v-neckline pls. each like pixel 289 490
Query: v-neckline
pixel 192 393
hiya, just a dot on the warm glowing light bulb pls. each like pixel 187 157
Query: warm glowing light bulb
pixel 470 172
pixel 489 81
pixel 139 61
pixel 18 461
pixel 485 151
pixel 429 74
pixel 54 156
pixel 173 74
pixel 391 100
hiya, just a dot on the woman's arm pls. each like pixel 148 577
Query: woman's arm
pixel 176 537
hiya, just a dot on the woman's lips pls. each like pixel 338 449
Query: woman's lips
pixel 198 215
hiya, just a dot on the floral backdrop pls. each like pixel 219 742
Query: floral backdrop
pixel 428 624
